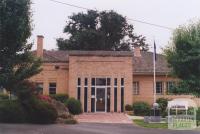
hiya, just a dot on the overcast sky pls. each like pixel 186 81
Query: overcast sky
pixel 49 18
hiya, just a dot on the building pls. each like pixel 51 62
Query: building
pixel 104 81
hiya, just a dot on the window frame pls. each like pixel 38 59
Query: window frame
pixel 79 88
pixel 136 88
pixel 161 88
pixel 53 87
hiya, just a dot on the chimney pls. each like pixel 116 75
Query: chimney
pixel 137 52
pixel 40 45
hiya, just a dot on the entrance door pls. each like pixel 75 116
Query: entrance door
pixel 100 100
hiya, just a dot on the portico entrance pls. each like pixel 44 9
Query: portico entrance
pixel 101 94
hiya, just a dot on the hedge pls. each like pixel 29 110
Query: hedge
pixel 141 108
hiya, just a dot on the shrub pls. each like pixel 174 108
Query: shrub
pixel 128 107
pixel 45 98
pixel 74 106
pixel 11 112
pixel 27 108
pixel 70 121
pixel 42 113
pixel 141 108
pixel 60 97
pixel 198 116
pixel 163 102
pixel 4 97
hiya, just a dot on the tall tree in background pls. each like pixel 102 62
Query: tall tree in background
pixel 106 30
pixel 16 61
pixel 183 55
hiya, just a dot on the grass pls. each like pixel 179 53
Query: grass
pixel 141 123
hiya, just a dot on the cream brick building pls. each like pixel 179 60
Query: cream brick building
pixel 103 81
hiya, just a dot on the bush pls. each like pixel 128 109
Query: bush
pixel 60 97
pixel 74 106
pixel 41 112
pixel 70 121
pixel 141 108
pixel 4 97
pixel 128 107
pixel 198 116
pixel 163 102
pixel 11 112
pixel 44 98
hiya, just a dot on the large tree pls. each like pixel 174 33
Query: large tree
pixel 106 30
pixel 183 56
pixel 16 61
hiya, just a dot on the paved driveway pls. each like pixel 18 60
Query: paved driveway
pixel 103 118
pixel 85 128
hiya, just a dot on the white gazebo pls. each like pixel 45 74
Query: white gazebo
pixel 182 114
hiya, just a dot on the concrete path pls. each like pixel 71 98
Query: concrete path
pixel 104 118
pixel 85 128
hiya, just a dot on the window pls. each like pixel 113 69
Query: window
pixel 79 89
pixel 169 86
pixel 85 98
pixel 92 99
pixel 1 89
pixel 159 87
pixel 115 81
pixel 39 87
pixel 122 94
pixel 115 99
pixel 115 94
pixel 86 95
pixel 52 88
pixel 86 81
pixel 108 99
pixel 93 82
pixel 108 81
pixel 122 81
pixel 79 82
pixel 100 81
pixel 136 90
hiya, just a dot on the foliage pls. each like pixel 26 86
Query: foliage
pixel 163 102
pixel 106 30
pixel 183 55
pixel 25 90
pixel 4 97
pixel 128 107
pixel 198 116
pixel 45 98
pixel 141 108
pixel 150 125
pixel 37 110
pixel 60 97
pixel 70 121
pixel 41 112
pixel 11 112
pixel 74 106
pixel 16 61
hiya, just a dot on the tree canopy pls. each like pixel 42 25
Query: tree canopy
pixel 183 55
pixel 106 30
pixel 16 61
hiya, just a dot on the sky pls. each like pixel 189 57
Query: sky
pixel 49 18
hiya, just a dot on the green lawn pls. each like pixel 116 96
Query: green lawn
pixel 150 125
